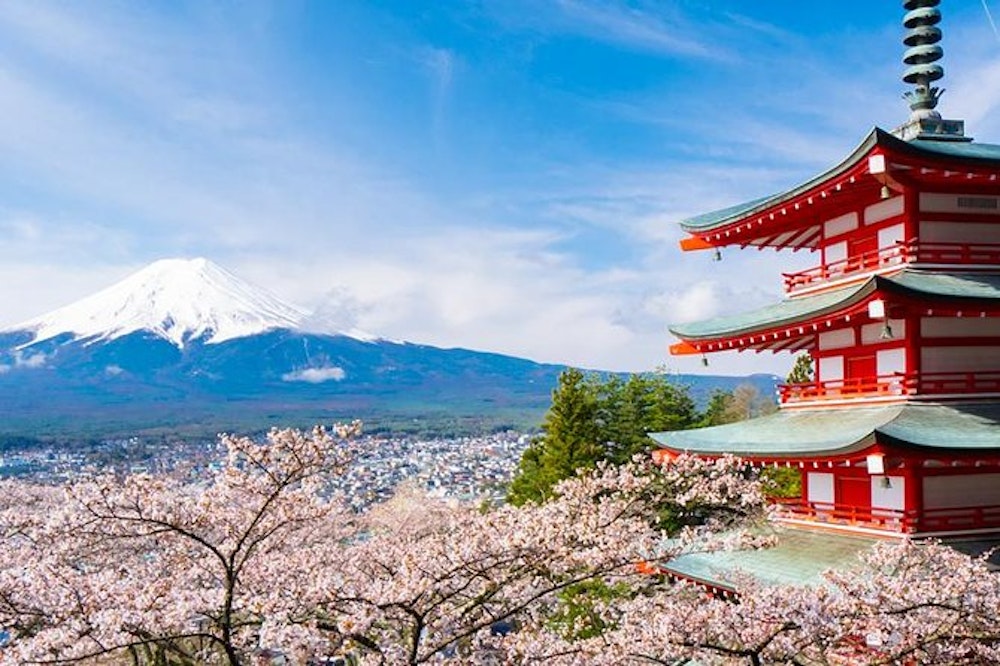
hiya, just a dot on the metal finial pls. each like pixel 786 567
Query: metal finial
pixel 922 37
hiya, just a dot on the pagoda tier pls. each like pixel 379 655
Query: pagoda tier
pixel 913 335
pixel 916 469
pixel 883 166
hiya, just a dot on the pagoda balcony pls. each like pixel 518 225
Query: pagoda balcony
pixel 909 252
pixel 896 385
pixel 952 519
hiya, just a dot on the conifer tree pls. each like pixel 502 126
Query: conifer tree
pixel 571 439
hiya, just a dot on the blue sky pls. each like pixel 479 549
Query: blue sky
pixel 496 175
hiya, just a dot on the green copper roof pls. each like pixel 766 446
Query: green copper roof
pixel 970 152
pixel 967 427
pixel 786 312
pixel 949 285
pixel 800 309
pixel 806 433
pixel 799 557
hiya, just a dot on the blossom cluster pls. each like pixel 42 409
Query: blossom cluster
pixel 262 560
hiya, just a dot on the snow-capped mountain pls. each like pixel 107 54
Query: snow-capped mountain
pixel 187 344
pixel 174 299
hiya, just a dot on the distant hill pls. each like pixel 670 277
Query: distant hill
pixel 184 346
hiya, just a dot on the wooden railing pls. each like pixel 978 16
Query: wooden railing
pixel 929 520
pixel 862 387
pixel 912 251
pixel 896 384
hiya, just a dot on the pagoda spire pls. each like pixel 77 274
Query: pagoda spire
pixel 922 70
pixel 921 56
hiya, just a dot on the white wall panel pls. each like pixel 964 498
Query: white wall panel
pixel 935 202
pixel 959 359
pixel 835 252
pixel 939 231
pixel 890 361
pixel 959 327
pixel 820 485
pixel 840 225
pixel 949 492
pixel 889 236
pixel 893 497
pixel 837 339
pixel 831 368
pixel 883 210
pixel 872 333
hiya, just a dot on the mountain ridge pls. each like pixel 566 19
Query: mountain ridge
pixel 184 345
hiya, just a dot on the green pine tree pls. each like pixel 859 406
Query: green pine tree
pixel 571 439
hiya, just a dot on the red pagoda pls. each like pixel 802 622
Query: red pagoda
pixel 899 432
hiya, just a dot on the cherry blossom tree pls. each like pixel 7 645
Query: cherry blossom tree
pixel 904 603
pixel 172 572
pixel 261 559
pixel 444 587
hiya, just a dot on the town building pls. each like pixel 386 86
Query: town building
pixel 898 433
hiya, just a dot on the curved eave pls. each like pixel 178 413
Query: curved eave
pixel 776 320
pixel 750 212
pixel 787 219
pixel 791 323
pixel 787 435
pixel 947 430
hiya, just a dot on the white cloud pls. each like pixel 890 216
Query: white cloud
pixel 315 375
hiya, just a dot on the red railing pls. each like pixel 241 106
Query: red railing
pixel 912 251
pixel 862 387
pixel 929 520
pixel 896 384
pixel 843 514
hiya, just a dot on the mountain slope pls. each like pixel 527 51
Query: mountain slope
pixel 175 299
pixel 184 345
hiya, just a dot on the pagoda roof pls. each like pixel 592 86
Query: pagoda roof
pixel 797 557
pixel 795 434
pixel 957 288
pixel 788 218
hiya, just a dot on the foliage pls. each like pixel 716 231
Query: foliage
pixel 802 371
pixel 166 572
pixel 260 561
pixel 783 482
pixel 593 419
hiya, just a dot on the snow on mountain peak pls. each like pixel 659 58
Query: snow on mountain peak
pixel 175 299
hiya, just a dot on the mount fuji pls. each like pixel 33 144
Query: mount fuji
pixel 184 345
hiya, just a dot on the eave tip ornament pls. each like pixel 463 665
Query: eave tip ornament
pixel 921 56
